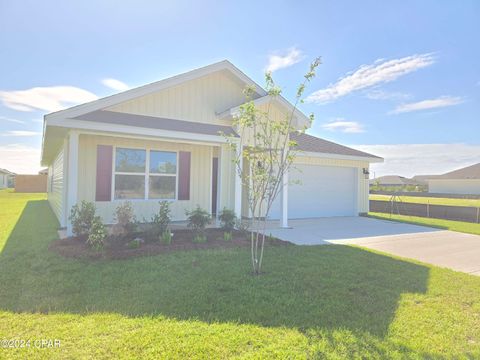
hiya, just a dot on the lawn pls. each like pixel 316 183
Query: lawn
pixel 430 200
pixel 461 226
pixel 312 302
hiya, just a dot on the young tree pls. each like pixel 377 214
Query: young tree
pixel 268 151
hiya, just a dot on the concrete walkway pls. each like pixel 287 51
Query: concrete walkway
pixel 454 250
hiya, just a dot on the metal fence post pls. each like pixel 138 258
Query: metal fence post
pixel 428 208
pixel 478 214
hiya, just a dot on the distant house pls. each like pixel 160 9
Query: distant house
pixel 395 182
pixel 462 181
pixel 6 178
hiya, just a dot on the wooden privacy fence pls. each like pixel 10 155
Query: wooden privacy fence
pixel 445 212
pixel 30 183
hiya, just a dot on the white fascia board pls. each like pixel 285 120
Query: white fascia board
pixel 153 87
pixel 126 130
pixel 338 156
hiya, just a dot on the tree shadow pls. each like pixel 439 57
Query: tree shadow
pixel 316 287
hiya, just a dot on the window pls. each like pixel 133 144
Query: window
pixel 142 174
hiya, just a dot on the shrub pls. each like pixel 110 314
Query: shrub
pixel 199 239
pixel 227 236
pixel 160 221
pixel 198 219
pixel 125 218
pixel 166 237
pixel 82 218
pixel 135 243
pixel 227 219
pixel 97 234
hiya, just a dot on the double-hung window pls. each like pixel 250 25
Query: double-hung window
pixel 142 174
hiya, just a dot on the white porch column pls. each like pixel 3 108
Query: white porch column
pixel 238 184
pixel 284 201
pixel 72 175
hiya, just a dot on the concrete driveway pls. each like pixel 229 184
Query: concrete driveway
pixel 454 250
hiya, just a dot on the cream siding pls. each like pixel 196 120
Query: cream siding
pixel 362 181
pixel 196 100
pixel 454 186
pixel 227 178
pixel 200 176
pixel 55 186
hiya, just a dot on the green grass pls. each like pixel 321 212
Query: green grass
pixel 431 200
pixel 333 302
pixel 460 226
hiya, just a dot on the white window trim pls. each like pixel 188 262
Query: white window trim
pixel 146 174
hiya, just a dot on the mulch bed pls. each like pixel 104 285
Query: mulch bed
pixel 182 240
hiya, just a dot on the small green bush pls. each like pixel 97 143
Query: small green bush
pixel 199 239
pixel 166 238
pixel 198 219
pixel 82 218
pixel 227 236
pixel 160 221
pixel 125 218
pixel 135 243
pixel 97 234
pixel 227 219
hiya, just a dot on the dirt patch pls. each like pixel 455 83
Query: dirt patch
pixel 182 240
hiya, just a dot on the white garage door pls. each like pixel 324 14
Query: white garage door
pixel 322 191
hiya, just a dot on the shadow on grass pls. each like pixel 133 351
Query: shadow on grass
pixel 328 287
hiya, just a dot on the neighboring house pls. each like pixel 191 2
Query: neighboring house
pixel 163 141
pixel 462 181
pixel 6 178
pixel 395 182
pixel 43 172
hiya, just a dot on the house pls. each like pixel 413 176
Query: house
pixel 395 182
pixel 6 178
pixel 43 172
pixel 163 141
pixel 461 181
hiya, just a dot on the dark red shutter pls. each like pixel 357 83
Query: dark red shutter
pixel 104 173
pixel 184 175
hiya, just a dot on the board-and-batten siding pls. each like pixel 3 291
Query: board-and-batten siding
pixel 197 100
pixel 55 185
pixel 200 176
pixel 362 187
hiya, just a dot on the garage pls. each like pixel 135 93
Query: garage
pixel 322 191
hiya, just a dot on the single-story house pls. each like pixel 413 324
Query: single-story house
pixel 462 181
pixel 395 182
pixel 6 178
pixel 163 141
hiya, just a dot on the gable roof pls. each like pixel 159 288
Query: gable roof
pixel 469 172
pixel 5 171
pixel 309 143
pixel 111 100
pixel 153 122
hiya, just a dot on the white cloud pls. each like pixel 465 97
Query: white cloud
pixel 421 159
pixel 377 94
pixel 284 59
pixel 439 102
pixel 381 71
pixel 21 133
pixel 20 159
pixel 3 118
pixel 115 84
pixel 344 126
pixel 52 98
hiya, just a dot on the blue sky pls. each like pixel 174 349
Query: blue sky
pixel 399 78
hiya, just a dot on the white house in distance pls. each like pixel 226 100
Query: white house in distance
pixel 162 141
pixel 5 177
pixel 462 181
